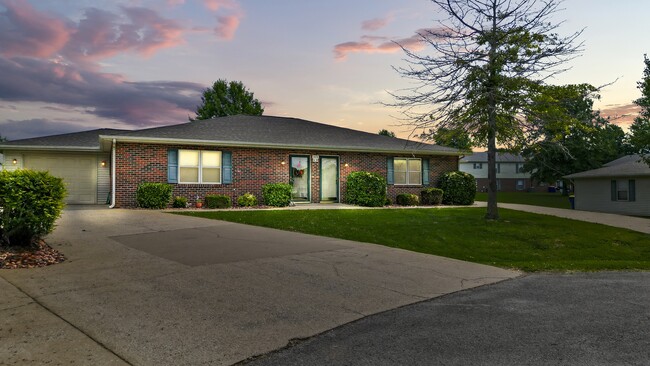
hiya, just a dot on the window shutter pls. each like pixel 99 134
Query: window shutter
pixel 172 166
pixel 390 172
pixel 614 197
pixel 632 194
pixel 425 172
pixel 226 166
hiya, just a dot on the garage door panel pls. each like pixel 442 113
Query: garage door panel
pixel 79 174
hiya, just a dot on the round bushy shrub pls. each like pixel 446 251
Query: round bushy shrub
pixel 153 195
pixel 30 203
pixel 276 194
pixel 407 199
pixel 432 196
pixel 179 202
pixel 366 189
pixel 247 200
pixel 459 188
pixel 217 201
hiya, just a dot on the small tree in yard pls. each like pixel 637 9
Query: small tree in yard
pixel 30 204
pixel 488 59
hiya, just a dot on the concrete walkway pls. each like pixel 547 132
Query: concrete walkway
pixel 622 221
pixel 150 288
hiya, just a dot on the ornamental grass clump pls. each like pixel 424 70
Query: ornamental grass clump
pixel 30 203
pixel 459 188
pixel 366 189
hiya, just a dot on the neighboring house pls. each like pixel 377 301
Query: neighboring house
pixel 510 176
pixel 229 155
pixel 621 186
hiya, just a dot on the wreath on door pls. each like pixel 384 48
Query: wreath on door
pixel 298 172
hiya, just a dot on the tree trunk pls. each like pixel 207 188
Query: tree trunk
pixel 492 209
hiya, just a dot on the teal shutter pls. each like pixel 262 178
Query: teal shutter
pixel 632 194
pixel 390 171
pixel 425 172
pixel 226 162
pixel 172 166
pixel 614 198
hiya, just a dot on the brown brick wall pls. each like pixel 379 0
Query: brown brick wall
pixel 251 169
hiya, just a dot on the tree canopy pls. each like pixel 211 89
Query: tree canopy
pixel 227 99
pixel 640 128
pixel 481 69
pixel 385 132
pixel 455 138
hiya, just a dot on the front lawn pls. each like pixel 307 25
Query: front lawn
pixel 555 200
pixel 521 240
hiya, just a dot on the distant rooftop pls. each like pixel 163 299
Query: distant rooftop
pixel 627 166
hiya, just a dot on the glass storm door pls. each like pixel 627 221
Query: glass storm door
pixel 299 178
pixel 329 179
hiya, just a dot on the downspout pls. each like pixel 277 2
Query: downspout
pixel 112 175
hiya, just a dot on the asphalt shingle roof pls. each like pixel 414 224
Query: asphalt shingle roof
pixel 281 132
pixel 627 166
pixel 253 131
pixel 84 139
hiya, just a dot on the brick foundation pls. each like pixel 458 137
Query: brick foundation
pixel 251 169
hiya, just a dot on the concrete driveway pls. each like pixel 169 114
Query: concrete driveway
pixel 148 288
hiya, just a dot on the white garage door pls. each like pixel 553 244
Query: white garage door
pixel 79 173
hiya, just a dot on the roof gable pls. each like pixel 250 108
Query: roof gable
pixel 627 166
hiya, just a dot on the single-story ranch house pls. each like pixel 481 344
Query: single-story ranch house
pixel 621 186
pixel 228 155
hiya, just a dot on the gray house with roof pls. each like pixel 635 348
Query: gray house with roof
pixel 229 155
pixel 510 174
pixel 621 186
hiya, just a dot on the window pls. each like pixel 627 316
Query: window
pixel 622 189
pixel 197 166
pixel 498 167
pixel 408 171
pixel 519 168
pixel 478 165
pixel 520 184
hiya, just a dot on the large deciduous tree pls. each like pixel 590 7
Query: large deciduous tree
pixel 640 128
pixel 486 62
pixel 227 99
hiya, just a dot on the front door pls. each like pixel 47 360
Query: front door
pixel 299 178
pixel 329 179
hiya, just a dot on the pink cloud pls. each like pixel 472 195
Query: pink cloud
pixel 26 32
pixel 226 26
pixel 375 44
pixel 375 24
pixel 621 114
pixel 215 5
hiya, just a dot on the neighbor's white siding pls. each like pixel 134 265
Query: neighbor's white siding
pixel 593 194
pixel 506 171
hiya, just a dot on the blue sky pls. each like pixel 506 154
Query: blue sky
pixel 75 65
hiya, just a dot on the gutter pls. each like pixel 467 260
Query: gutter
pixel 113 175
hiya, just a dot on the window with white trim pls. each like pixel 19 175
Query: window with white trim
pixel 407 171
pixel 199 166
pixel 622 190
pixel 478 165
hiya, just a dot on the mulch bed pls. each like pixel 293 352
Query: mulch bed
pixel 38 254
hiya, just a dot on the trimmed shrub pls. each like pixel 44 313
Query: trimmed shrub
pixel 153 195
pixel 179 202
pixel 432 196
pixel 459 188
pixel 276 194
pixel 407 199
pixel 30 204
pixel 247 200
pixel 366 189
pixel 217 201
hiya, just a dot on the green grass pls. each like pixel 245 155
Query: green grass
pixel 529 198
pixel 525 241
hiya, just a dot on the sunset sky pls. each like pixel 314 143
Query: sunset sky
pixel 71 65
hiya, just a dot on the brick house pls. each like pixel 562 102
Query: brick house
pixel 229 155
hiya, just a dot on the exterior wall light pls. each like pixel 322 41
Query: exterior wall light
pixel 347 165
pixel 283 162
pixel 103 163
pixel 14 162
